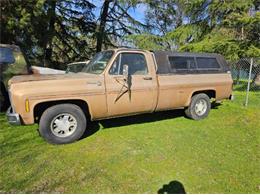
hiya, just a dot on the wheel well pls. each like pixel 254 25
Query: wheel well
pixel 41 107
pixel 210 93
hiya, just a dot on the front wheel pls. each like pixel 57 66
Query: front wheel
pixel 199 107
pixel 63 123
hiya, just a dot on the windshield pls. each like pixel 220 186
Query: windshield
pixel 98 64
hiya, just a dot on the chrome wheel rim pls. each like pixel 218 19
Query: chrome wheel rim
pixel 201 107
pixel 63 125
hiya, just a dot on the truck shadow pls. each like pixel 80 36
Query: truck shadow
pixel 142 118
pixel 174 187
pixel 215 105
pixel 94 126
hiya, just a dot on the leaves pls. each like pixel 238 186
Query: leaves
pixel 231 28
pixel 147 41
pixel 70 30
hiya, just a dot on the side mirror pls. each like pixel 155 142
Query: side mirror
pixel 125 70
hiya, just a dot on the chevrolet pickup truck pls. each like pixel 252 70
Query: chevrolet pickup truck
pixel 117 83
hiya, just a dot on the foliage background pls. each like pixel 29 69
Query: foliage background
pixel 52 32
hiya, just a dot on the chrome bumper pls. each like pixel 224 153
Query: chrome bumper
pixel 12 117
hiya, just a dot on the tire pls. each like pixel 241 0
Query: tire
pixel 199 107
pixel 62 124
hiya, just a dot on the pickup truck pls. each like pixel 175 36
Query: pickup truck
pixel 115 83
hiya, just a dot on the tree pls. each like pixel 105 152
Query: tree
pixel 16 18
pixel 115 23
pixel 101 27
pixel 163 15
pixel 48 37
pixel 234 30
pixel 228 27
pixel 57 32
pixel 53 32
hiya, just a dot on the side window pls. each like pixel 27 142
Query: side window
pixel 116 68
pixel 207 63
pixel 181 63
pixel 136 64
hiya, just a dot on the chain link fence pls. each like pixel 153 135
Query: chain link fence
pixel 246 76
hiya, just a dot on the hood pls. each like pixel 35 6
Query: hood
pixel 39 77
pixel 39 86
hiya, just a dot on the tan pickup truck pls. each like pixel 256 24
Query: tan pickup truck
pixel 117 83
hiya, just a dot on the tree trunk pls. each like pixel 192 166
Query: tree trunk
pixel 50 33
pixel 101 28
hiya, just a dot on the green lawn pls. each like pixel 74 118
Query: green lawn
pixel 141 154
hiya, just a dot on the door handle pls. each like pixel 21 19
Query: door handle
pixel 98 83
pixel 148 78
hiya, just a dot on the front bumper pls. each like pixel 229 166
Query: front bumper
pixel 12 117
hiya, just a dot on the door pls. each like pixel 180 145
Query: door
pixel 135 94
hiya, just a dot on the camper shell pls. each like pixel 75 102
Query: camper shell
pixel 189 63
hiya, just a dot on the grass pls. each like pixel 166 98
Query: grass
pixel 143 154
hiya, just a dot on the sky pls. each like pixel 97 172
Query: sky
pixel 137 13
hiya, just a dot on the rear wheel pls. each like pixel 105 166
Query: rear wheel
pixel 199 107
pixel 63 123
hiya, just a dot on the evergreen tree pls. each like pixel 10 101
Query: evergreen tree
pixel 51 31
pixel 115 22
pixel 228 27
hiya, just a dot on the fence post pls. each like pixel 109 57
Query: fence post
pixel 249 80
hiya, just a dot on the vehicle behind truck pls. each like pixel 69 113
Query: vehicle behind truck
pixel 12 62
pixel 116 83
